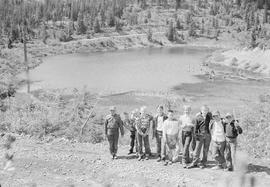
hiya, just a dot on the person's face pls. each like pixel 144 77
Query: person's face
pixel 112 112
pixel 170 115
pixel 187 111
pixel 229 119
pixel 126 116
pixel 143 112
pixel 216 117
pixel 160 111
pixel 204 111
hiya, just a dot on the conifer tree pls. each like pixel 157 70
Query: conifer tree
pixel 171 32
pixel 81 26
pixel 97 26
pixel 265 12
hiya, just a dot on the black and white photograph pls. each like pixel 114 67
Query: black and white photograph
pixel 134 93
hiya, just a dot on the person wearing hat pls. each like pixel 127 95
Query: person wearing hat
pixel 113 124
pixel 202 137
pixel 143 125
pixel 232 129
pixel 217 128
pixel 157 129
pixel 187 124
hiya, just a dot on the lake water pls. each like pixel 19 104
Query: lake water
pixel 150 69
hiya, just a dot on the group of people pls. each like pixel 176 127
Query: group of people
pixel 191 133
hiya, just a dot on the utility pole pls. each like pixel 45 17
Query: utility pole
pixel 25 58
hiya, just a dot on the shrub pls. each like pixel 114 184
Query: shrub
pixel 150 35
pixel 54 115
pixel 256 129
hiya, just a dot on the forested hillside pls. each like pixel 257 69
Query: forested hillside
pixel 45 19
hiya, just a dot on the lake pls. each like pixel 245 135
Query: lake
pixel 147 69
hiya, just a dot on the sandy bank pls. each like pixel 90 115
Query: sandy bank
pixel 254 60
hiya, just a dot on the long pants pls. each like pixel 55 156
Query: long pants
pixel 159 142
pixel 230 151
pixel 170 147
pixel 113 142
pixel 218 152
pixel 143 141
pixel 202 140
pixel 133 141
pixel 186 140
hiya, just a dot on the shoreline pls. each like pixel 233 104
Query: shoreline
pixel 13 63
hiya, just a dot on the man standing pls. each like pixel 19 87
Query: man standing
pixel 143 124
pixel 202 137
pixel 170 138
pixel 232 129
pixel 187 125
pixel 113 124
pixel 157 129
pixel 129 123
pixel 217 128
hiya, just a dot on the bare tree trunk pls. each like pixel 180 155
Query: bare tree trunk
pixel 25 59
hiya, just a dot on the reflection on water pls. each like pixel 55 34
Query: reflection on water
pixel 152 69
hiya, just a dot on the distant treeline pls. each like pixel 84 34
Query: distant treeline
pixel 92 15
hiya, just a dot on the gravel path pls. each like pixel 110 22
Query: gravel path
pixel 61 163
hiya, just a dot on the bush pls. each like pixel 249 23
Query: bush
pixel 150 35
pixel 256 129
pixel 118 25
pixel 54 115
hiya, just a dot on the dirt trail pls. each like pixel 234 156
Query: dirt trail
pixel 61 163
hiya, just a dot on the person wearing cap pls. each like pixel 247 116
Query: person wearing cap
pixel 143 125
pixel 129 123
pixel 157 129
pixel 187 124
pixel 113 124
pixel 217 128
pixel 171 130
pixel 202 137
pixel 232 129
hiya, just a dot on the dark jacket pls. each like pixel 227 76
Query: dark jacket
pixel 232 130
pixel 202 125
pixel 113 124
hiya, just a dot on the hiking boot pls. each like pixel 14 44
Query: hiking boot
pixel 192 166
pixel 159 159
pixel 202 166
pixel 217 167
pixel 147 158
pixel 130 152
pixel 170 162
pixel 166 163
pixel 140 158
pixel 185 165
pixel 228 169
pixel 115 157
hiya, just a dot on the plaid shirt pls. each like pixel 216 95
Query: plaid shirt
pixel 143 123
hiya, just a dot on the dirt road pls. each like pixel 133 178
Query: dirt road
pixel 62 163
